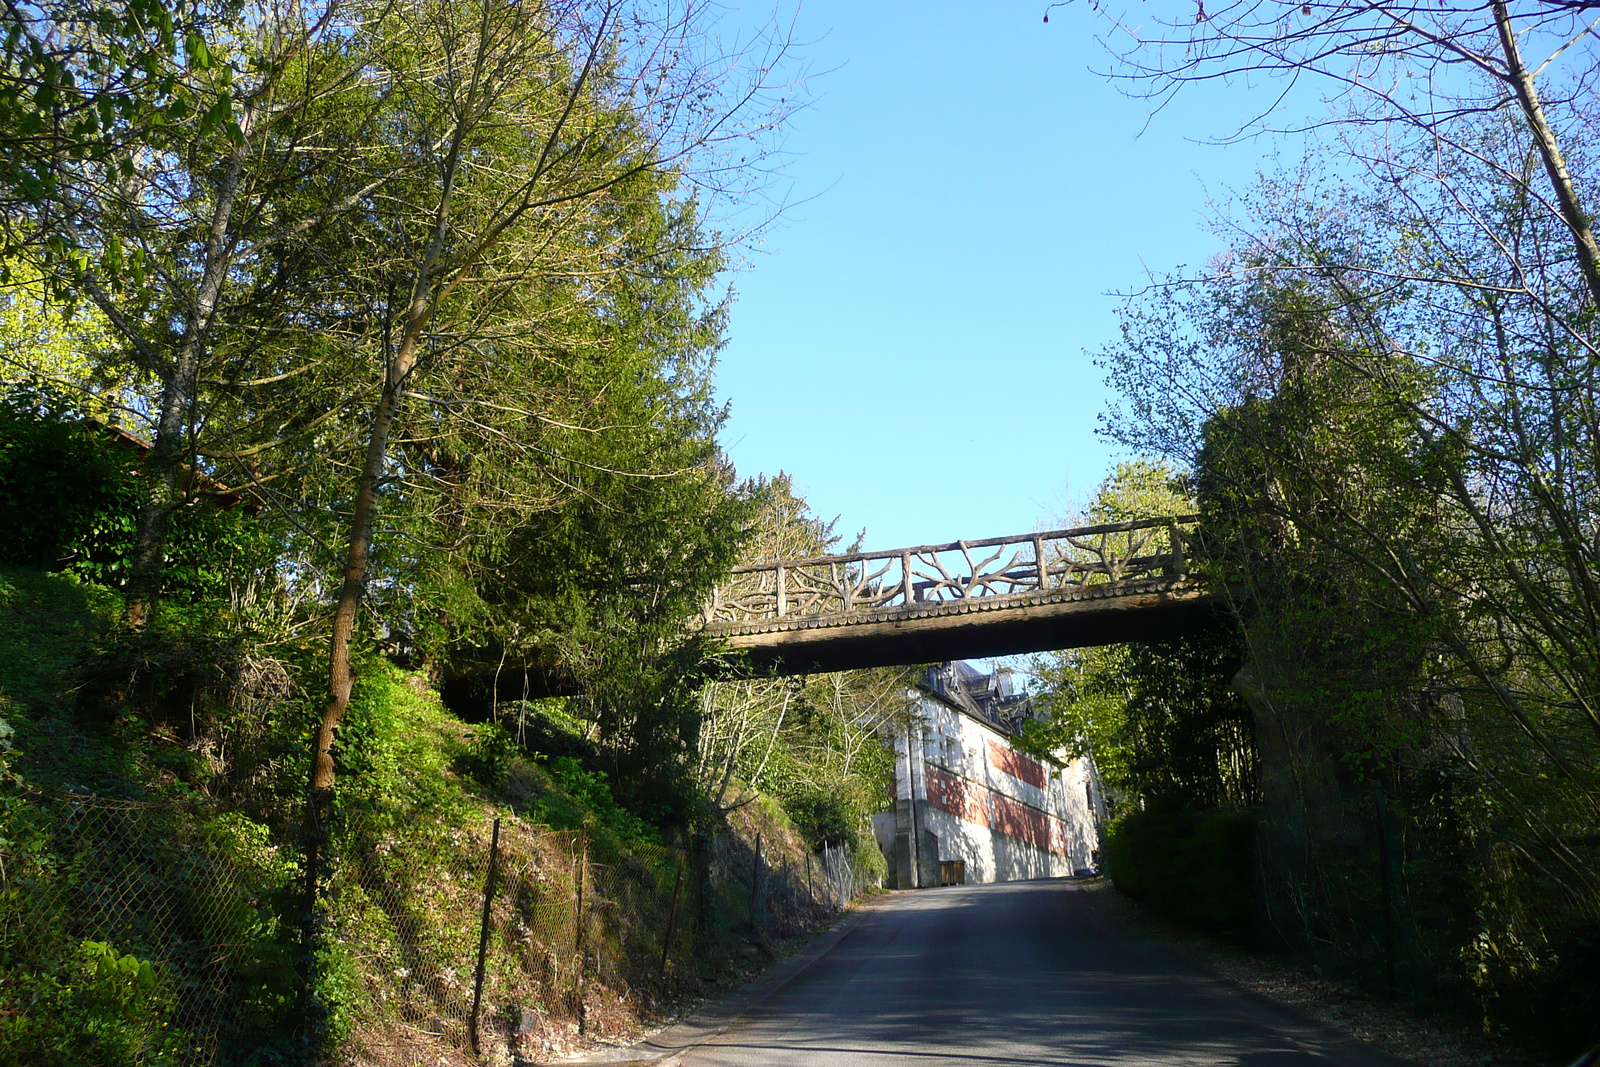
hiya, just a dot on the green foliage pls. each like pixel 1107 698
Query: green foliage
pixel 49 623
pixel 82 81
pixel 92 713
pixel 570 793
pixel 553 496
pixel 579 543
pixel 1192 863
pixel 830 768
pixel 582 794
pixel 1139 489
pixel 71 348
pixel 397 746
pixel 814 744
pixel 119 997
pixel 61 482
pixel 73 490
pixel 181 890
pixel 1392 485
pixel 1158 717
pixel 7 734
pixel 490 756
pixel 824 817
pixel 101 1007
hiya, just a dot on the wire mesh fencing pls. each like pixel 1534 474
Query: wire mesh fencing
pixel 167 933
pixel 508 941
pixel 137 933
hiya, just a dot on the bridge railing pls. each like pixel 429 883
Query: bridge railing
pixel 1023 564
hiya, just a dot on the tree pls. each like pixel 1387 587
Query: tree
pixel 1388 400
pixel 600 588
pixel 70 349
pixel 815 743
pixel 1430 70
pixel 532 133
pixel 188 181
pixel 1393 470
pixel 81 83
pixel 1158 718
pixel 743 717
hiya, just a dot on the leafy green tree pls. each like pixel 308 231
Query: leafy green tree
pixel 521 211
pixel 161 224
pixel 1158 718
pixel 78 84
pixel 70 348
pixel 1392 468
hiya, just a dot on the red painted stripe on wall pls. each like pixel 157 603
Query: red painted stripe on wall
pixel 1018 766
pixel 1022 822
pixel 963 799
pixel 979 804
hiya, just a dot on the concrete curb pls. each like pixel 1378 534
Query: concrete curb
pixel 662 1049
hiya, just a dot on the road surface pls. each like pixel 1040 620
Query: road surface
pixel 1010 974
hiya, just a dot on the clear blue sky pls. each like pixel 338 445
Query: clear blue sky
pixel 909 344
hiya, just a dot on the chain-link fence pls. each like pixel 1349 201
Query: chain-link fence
pixel 156 933
pixel 136 933
pixel 522 940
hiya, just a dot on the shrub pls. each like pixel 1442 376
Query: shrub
pixel 1191 863
pixel 580 790
pixel 61 481
pixel 490 755
pixel 71 493
pixel 824 817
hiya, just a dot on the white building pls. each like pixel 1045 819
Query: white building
pixel 966 800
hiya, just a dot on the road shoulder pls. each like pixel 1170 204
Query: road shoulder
pixel 1384 1028
pixel 662 1049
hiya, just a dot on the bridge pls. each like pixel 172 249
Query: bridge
pixel 1092 585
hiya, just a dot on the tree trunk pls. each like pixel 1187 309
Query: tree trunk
pixel 1555 166
pixel 164 466
pixel 341 679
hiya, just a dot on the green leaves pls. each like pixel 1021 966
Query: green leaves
pixel 196 54
pixel 122 977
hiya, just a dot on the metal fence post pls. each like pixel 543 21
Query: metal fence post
pixel 788 901
pixel 672 916
pixel 583 863
pixel 483 933
pixel 755 886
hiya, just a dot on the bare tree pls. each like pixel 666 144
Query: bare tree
pixel 1429 70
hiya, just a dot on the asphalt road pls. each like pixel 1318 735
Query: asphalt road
pixel 1010 974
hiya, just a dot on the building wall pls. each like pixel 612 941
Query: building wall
pixel 963 792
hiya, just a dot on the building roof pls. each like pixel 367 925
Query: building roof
pixel 223 496
pixel 988 697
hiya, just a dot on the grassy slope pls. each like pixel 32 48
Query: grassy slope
pixel 419 789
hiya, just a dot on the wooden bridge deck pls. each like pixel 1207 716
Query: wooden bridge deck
pixel 992 626
pixel 1093 585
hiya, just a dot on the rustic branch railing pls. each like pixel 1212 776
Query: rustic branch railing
pixel 1036 563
